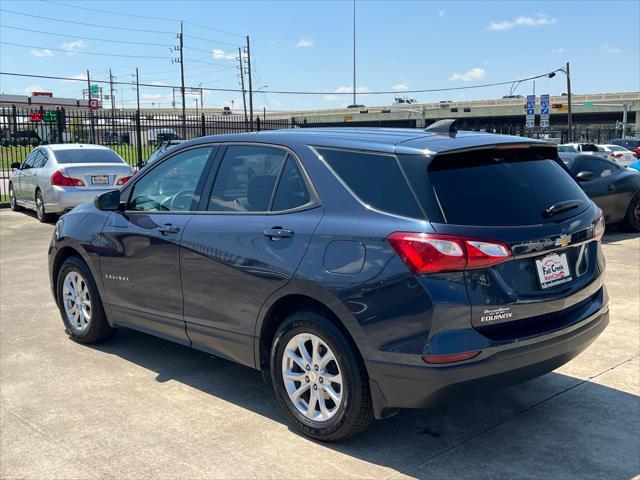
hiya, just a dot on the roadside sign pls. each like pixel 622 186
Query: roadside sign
pixel 94 89
pixel 587 104
pixel 544 111
pixel 530 116
pixel 93 104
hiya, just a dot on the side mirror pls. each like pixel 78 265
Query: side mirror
pixel 15 165
pixel 108 201
pixel 585 176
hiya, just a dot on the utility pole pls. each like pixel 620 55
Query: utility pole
pixel 250 85
pixel 244 92
pixel 569 120
pixel 181 62
pixel 113 102
pixel 625 109
pixel 354 52
pixel 93 127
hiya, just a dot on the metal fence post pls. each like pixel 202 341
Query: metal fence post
pixel 204 131
pixel 257 124
pixel 138 138
pixel 59 124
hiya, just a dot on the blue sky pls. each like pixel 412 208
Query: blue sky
pixel 307 45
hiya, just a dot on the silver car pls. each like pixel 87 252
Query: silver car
pixel 56 178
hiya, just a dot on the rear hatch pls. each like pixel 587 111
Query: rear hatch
pixel 522 198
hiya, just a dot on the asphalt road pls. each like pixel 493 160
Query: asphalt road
pixel 141 407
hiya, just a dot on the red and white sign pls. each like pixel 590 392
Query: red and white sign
pixel 94 104
pixel 553 270
pixel 42 94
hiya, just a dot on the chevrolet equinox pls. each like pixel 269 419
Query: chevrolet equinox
pixel 362 270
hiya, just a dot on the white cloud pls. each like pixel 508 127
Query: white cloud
pixel 39 53
pixel 359 89
pixel 33 88
pixel 441 13
pixel 475 73
pixel 558 50
pixel 218 53
pixel 538 21
pixel 609 49
pixel 75 46
pixel 399 87
pixel 304 43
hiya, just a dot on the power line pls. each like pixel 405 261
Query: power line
pixel 85 24
pixel 290 92
pixel 81 52
pixel 167 19
pixel 109 40
pixel 194 37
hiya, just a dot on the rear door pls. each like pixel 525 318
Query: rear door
pixel 524 199
pixel 254 226
pixel 140 252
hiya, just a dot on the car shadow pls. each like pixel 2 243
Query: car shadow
pixel 593 429
pixel 614 234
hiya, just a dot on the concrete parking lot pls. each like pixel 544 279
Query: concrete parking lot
pixel 142 407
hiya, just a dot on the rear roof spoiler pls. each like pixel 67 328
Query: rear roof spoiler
pixel 444 127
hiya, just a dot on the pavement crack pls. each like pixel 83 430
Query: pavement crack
pixel 511 417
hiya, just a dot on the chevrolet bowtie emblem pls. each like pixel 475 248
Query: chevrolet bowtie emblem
pixel 563 241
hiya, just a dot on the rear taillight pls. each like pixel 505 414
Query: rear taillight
pixel 618 155
pixel 59 179
pixel 123 180
pixel 431 253
pixel 598 227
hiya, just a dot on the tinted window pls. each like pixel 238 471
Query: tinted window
pixel 40 159
pixel 170 185
pixel 595 166
pixel 376 179
pixel 500 188
pixel 29 161
pixel 246 179
pixel 88 155
pixel 292 190
pixel 587 147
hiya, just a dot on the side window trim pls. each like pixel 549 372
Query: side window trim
pixel 277 183
pixel 208 187
pixel 128 193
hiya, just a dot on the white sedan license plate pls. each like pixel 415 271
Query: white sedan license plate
pixel 100 180
pixel 553 270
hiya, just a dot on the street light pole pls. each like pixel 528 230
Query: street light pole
pixel 569 120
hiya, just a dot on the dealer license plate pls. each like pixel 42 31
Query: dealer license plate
pixel 553 270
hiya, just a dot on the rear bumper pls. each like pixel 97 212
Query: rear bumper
pixel 61 199
pixel 396 385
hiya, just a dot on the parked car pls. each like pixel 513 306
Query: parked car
pixel 156 136
pixel 226 111
pixel 632 144
pixel 55 178
pixel 585 148
pixel 615 189
pixel 162 148
pixel 361 270
pixel 620 154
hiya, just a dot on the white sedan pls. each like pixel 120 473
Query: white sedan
pixel 620 154
pixel 56 178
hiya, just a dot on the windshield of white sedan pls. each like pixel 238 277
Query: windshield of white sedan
pixel 88 155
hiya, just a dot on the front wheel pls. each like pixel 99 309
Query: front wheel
pixel 631 221
pixel 12 199
pixel 80 304
pixel 319 380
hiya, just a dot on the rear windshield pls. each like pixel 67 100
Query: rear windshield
pixel 588 147
pixel 501 188
pixel 88 155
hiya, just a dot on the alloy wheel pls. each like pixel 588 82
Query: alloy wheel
pixel 312 377
pixel 76 301
pixel 12 197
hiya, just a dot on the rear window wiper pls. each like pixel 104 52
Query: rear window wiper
pixel 560 207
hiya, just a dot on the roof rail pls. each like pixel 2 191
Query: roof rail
pixel 443 127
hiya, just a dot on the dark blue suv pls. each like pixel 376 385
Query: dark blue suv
pixel 362 270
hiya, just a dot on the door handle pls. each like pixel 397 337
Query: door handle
pixel 168 228
pixel 611 187
pixel 278 232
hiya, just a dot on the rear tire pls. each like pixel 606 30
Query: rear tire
pixel 12 199
pixel 326 394
pixel 41 212
pixel 79 303
pixel 631 222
